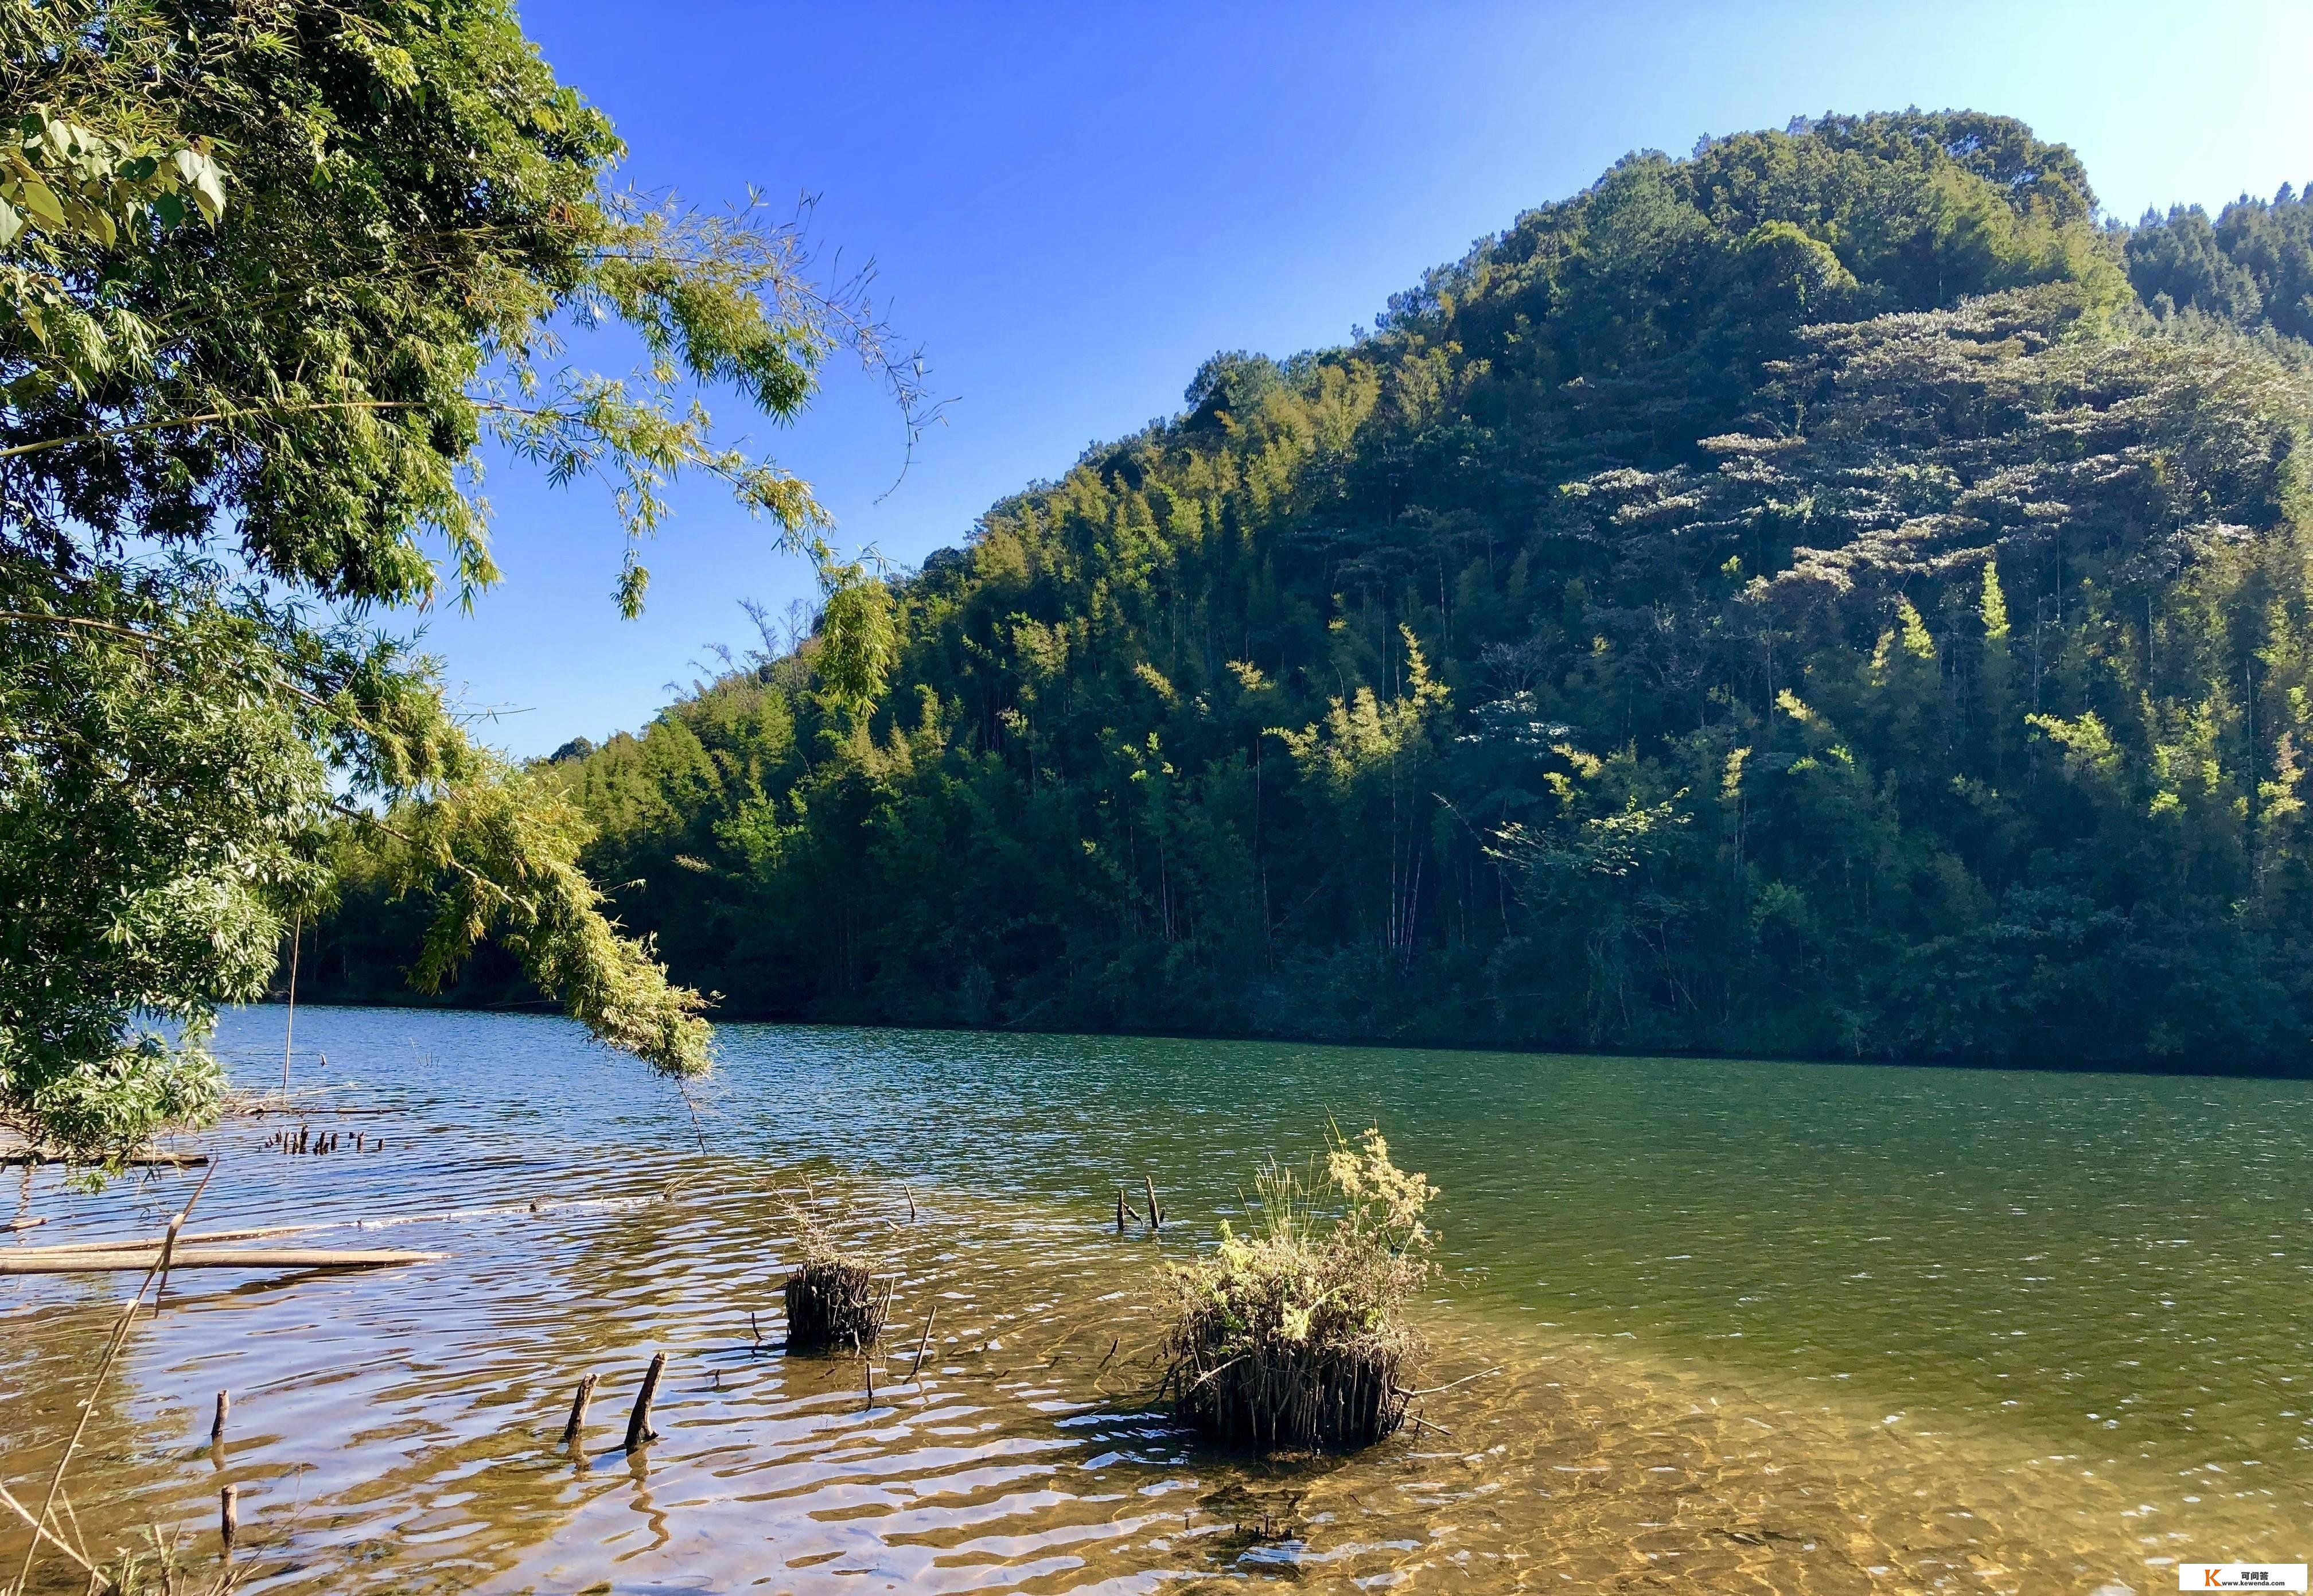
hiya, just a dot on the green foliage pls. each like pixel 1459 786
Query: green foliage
pixel 275 269
pixel 1791 600
pixel 1330 1262
pixel 2252 267
pixel 153 736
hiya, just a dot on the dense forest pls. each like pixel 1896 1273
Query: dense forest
pixel 1832 594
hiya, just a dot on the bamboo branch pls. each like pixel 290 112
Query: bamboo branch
pixel 205 417
pixel 52 1262
pixel 118 1339
pixel 42 1532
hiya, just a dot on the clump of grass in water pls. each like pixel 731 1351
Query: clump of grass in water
pixel 831 1298
pixel 1294 1338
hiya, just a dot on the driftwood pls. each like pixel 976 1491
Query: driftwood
pixel 577 1422
pixel 156 1161
pixel 638 1426
pixel 930 1319
pixel 259 1108
pixel 113 1345
pixel 146 1244
pixel 47 1261
pixel 25 1224
pixel 264 1232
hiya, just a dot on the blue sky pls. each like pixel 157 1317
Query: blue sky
pixel 1071 205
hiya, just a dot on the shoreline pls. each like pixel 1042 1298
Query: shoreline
pixel 2091 1069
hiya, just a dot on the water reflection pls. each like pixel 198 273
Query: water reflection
pixel 1759 1327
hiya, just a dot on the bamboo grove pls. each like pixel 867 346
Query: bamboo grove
pixel 1828 595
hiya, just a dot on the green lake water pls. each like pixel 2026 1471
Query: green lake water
pixel 1754 1326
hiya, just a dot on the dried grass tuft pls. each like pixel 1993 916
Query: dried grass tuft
pixel 832 1303
pixel 1294 1338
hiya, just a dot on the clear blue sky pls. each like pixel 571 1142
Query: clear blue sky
pixel 1073 204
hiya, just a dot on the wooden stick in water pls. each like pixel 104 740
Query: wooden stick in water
pixel 1156 1214
pixel 46 1262
pixel 143 1161
pixel 26 1224
pixel 930 1319
pixel 228 1517
pixel 638 1430
pixel 578 1410
pixel 113 1344
pixel 289 1031
pixel 167 1251
pixel 217 1424
pixel 200 1238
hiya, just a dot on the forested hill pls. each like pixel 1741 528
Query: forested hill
pixel 1828 595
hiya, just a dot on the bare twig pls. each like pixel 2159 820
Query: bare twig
pixel 1208 1374
pixel 42 1532
pixel 118 1339
pixel 570 1431
pixel 916 1367
pixel 45 1261
pixel 638 1430
pixel 696 1129
pixel 1450 1385
pixel 289 1031
pixel 168 1251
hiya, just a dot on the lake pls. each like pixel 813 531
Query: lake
pixel 1733 1325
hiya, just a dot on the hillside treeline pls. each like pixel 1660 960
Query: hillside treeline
pixel 1828 595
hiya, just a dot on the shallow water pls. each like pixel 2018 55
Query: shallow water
pixel 1757 1327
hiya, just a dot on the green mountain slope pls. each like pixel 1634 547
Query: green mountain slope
pixel 1826 596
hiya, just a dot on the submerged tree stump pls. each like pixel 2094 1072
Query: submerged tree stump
pixel 1331 1399
pixel 1293 1339
pixel 832 1306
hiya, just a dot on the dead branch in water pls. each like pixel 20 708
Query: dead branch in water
pixel 113 1344
pixel 930 1319
pixel 263 1232
pixel 48 1261
pixel 576 1425
pixel 1450 1385
pixel 638 1430
pixel 42 1532
pixel 157 1161
pixel 145 1244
